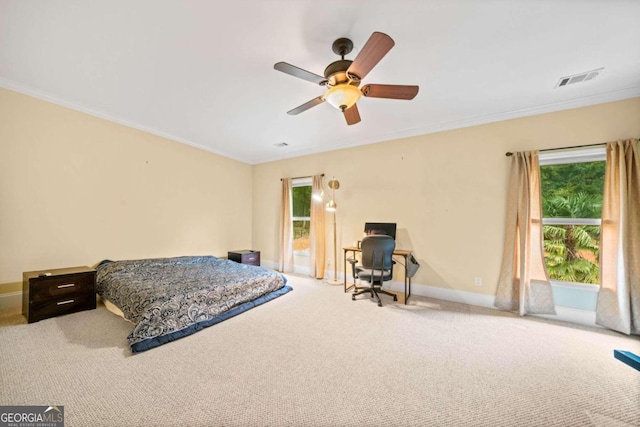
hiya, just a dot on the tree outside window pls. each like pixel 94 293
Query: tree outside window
pixel 301 199
pixel 572 192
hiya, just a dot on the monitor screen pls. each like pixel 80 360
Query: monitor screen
pixel 387 228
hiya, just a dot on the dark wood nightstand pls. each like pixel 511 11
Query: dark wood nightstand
pixel 50 293
pixel 245 256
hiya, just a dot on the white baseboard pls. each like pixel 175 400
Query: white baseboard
pixel 453 295
pixel 300 270
pixel 10 301
pixel 269 264
pixel 563 314
pixel 13 300
pixel 572 315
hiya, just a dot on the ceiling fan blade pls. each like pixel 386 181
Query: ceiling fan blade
pixel 306 106
pixel 299 72
pixel 371 53
pixel 390 91
pixel 352 115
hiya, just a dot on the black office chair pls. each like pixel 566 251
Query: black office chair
pixel 377 266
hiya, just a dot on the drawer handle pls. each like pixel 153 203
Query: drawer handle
pixel 68 285
pixel 69 301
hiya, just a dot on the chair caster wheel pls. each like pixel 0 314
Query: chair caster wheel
pixel 379 304
pixel 353 297
pixel 395 298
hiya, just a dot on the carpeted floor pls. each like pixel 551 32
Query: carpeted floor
pixel 313 357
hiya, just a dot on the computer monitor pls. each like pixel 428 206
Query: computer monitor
pixel 386 228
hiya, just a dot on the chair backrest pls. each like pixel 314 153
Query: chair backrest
pixel 377 252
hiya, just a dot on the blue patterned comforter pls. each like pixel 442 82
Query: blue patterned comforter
pixel 169 298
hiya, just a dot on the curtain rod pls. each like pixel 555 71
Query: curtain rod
pixel 508 154
pixel 300 177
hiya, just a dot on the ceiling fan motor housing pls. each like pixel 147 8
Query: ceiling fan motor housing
pixel 336 73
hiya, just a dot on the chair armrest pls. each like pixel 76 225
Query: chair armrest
pixel 353 262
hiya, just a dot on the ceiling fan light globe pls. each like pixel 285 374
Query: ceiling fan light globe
pixel 331 206
pixel 342 96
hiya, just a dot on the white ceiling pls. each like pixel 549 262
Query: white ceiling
pixel 201 72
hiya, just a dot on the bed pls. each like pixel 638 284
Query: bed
pixel 170 298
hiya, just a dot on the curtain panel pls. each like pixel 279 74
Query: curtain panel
pixel 286 228
pixel 317 236
pixel 524 285
pixel 618 305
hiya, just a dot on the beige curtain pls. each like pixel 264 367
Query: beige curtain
pixel 286 228
pixel 317 230
pixel 524 285
pixel 618 304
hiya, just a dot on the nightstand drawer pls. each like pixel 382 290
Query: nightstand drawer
pixel 46 288
pixel 251 258
pixel 43 309
pixel 49 293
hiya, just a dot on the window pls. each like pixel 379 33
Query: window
pixel 301 200
pixel 572 190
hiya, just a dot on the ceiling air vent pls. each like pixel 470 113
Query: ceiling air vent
pixel 577 78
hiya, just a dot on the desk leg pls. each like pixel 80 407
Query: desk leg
pixel 344 271
pixel 344 259
pixel 407 280
pixel 406 297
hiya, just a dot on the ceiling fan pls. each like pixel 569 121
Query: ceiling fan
pixel 343 77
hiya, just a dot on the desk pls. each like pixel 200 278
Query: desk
pixel 397 252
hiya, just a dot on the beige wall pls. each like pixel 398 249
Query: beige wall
pixel 446 191
pixel 76 189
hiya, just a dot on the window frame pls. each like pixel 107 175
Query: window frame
pixel 568 156
pixel 301 182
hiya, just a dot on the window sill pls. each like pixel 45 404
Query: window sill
pixel 581 296
pixel 574 285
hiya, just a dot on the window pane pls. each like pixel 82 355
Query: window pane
pixel 301 235
pixel 571 252
pixel 301 199
pixel 572 190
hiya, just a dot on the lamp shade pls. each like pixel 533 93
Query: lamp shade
pixel 342 96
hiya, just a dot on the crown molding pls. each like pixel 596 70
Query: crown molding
pixel 435 128
pixel 8 84
pixel 587 101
